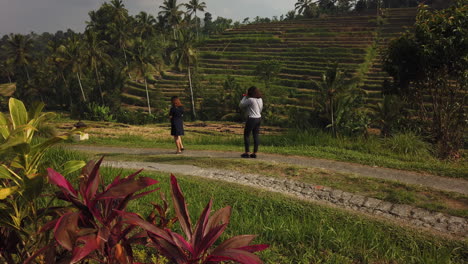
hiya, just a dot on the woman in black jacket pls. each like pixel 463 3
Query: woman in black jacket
pixel 176 114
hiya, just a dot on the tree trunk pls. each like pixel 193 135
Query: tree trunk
pixel 191 93
pixel 99 85
pixel 126 62
pixel 332 118
pixel 27 72
pixel 196 22
pixel 81 86
pixel 147 96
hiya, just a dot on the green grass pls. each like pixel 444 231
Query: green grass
pixel 390 191
pixel 372 151
pixel 300 232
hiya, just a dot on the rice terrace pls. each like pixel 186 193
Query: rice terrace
pixel 126 135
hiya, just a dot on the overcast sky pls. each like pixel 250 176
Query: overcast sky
pixel 24 16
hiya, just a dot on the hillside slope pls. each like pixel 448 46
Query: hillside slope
pixel 304 47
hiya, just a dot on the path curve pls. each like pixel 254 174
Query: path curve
pixel 408 177
pixel 439 223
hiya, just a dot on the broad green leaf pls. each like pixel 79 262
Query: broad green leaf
pixel 4 173
pixel 36 110
pixel 23 148
pixel 4 131
pixel 18 113
pixel 72 166
pixel 5 192
pixel 11 142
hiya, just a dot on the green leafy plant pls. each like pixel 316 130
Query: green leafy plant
pixel 98 112
pixel 340 102
pixel 267 70
pixel 21 178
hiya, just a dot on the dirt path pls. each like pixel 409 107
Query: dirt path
pixel 426 180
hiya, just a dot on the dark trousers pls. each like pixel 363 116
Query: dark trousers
pixel 252 125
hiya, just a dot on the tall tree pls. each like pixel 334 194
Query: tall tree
pixel 145 25
pixel 72 55
pixel 144 60
pixel 171 13
pixel 192 7
pixel 6 69
pixel 306 8
pixel 95 55
pixel 429 71
pixel 185 56
pixel 19 48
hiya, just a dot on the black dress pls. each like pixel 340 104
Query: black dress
pixel 177 121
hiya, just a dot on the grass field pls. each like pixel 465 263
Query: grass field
pixel 405 152
pixel 297 231
pixel 300 232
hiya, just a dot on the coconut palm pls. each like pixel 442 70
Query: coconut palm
pixel 72 56
pixel 192 7
pixel 118 28
pixel 302 5
pixel 144 60
pixel 95 54
pixel 145 25
pixel 337 96
pixel 121 35
pixel 6 69
pixel 184 55
pixel 173 16
pixel 19 48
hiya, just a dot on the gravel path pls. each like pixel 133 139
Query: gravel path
pixel 420 179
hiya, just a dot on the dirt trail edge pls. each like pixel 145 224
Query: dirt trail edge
pixel 438 223
pixel 421 179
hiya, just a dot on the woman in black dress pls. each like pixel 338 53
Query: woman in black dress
pixel 176 114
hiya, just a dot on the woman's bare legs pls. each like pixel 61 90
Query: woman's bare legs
pixel 181 145
pixel 178 143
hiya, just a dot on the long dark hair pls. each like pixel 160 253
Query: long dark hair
pixel 176 101
pixel 254 92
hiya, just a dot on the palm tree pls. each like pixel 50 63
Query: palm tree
pixel 185 56
pixel 144 61
pixel 95 54
pixel 146 25
pixel 19 48
pixel 170 11
pixel 58 67
pixel 120 13
pixel 336 95
pixel 72 56
pixel 193 6
pixel 306 8
pixel 6 68
pixel 119 27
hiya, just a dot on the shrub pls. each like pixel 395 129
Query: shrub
pixel 96 112
pixel 408 144
pixel 94 225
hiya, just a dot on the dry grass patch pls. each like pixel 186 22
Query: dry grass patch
pixel 7 89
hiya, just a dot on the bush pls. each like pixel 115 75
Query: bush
pixel 96 112
pixel 408 144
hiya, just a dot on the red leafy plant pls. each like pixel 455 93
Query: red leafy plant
pixel 93 228
pixel 197 246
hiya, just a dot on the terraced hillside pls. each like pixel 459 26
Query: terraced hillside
pixel 396 21
pixel 304 47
